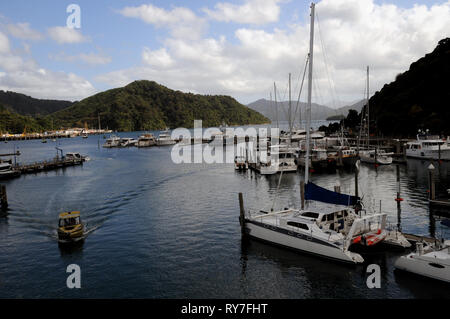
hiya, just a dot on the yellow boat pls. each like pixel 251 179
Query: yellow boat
pixel 70 227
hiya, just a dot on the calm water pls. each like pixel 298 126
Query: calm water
pixel 161 230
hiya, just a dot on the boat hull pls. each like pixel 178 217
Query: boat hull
pixel 429 154
pixel 165 142
pixel 282 237
pixel 423 267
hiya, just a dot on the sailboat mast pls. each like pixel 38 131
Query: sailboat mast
pixel 276 104
pixel 308 111
pixel 368 111
pixel 290 107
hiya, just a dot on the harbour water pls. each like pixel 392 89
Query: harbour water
pixel 164 230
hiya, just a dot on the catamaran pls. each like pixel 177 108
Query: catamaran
pixel 325 231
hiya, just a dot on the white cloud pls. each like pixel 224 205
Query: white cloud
pixel 157 58
pixel 182 22
pixel 355 33
pixel 86 58
pixel 251 12
pixel 4 43
pixel 23 31
pixel 26 76
pixel 66 35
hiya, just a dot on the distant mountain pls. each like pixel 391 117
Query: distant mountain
pixel 357 106
pixel 318 112
pixel 147 105
pixel 26 105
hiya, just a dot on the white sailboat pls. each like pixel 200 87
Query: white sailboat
pixel 373 156
pixel 325 231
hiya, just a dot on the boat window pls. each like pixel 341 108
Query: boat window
pixel 311 214
pixel 298 225
pixel 436 265
pixel 330 217
pixel 69 221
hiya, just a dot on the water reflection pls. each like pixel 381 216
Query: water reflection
pixel 71 249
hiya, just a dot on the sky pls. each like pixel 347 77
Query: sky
pixel 230 47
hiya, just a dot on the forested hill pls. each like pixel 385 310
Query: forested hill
pixel 146 105
pixel 26 105
pixel 418 98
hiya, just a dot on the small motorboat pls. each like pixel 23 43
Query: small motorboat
pixel 70 227
pixel 429 260
pixel 7 171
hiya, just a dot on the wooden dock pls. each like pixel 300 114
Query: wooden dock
pixel 47 165
pixel 415 238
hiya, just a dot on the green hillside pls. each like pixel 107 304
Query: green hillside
pixel 146 105
pixel 418 98
pixel 26 105
pixel 15 123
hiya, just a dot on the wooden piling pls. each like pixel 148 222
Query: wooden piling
pixel 242 214
pixel 432 194
pixel 376 157
pixel 439 153
pixel 302 194
pixel 398 199
pixel 3 198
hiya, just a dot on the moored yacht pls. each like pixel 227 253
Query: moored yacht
pixel 127 141
pixel 432 261
pixel 146 140
pixel 286 158
pixel 428 147
pixel 7 171
pixel 164 138
pixel 112 141
pixel 377 156
pixel 222 138
pixel 326 232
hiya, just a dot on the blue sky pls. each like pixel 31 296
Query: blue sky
pixel 201 47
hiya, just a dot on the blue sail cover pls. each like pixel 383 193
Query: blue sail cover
pixel 314 192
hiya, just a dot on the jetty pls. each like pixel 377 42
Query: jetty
pixel 47 165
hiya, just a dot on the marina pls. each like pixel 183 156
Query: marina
pixel 239 161
pixel 131 210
